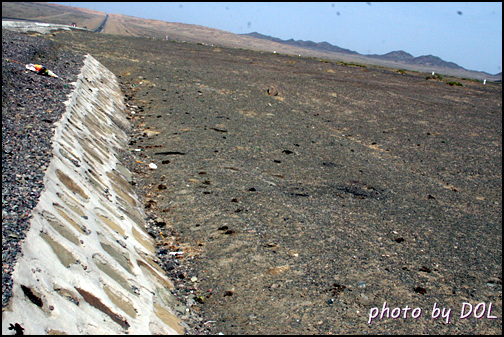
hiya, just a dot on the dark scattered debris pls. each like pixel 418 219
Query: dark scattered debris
pixel 337 289
pixel 168 153
pixel 425 269
pixel 219 130
pixel 17 328
pixel 300 194
pixel 420 290
pixel 272 91
pixel 31 296
pixel 97 303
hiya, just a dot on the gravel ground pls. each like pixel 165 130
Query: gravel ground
pixel 306 193
pixel 31 103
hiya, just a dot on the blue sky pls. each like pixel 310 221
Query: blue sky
pixel 467 33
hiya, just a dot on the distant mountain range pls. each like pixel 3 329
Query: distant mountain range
pixel 134 26
pixel 394 56
pixel 321 46
pixel 426 60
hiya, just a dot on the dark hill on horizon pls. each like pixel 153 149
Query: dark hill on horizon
pixel 399 56
pixel 323 46
pixel 402 56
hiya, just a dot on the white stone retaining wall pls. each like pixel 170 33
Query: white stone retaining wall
pixel 88 264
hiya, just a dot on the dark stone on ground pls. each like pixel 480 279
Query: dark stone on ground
pixel 341 190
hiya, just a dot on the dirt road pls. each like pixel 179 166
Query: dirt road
pixel 308 195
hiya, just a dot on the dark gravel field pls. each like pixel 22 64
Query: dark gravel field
pixel 31 103
pixel 309 196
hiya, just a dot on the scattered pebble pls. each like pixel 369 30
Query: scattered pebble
pixel 27 100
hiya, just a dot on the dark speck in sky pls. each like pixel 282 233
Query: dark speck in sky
pixel 459 12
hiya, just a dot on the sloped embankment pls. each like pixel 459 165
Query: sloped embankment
pixel 88 265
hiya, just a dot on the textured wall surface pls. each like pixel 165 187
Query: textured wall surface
pixel 88 264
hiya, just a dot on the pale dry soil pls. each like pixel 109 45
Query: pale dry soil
pixel 306 193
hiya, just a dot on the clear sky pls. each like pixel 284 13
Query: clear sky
pixel 467 33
